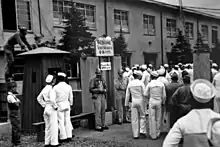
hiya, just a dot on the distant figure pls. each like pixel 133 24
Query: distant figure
pixel 17 38
pixel 47 100
pixel 38 41
pixel 98 89
pixel 14 113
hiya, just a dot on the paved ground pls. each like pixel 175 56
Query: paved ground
pixel 116 136
pixel 120 133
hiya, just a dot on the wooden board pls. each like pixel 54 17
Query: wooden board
pixel 201 66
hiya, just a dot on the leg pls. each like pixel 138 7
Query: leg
pixel 54 128
pixel 119 110
pixel 62 129
pixel 158 118
pixel 103 107
pixel 124 110
pixel 47 129
pixel 97 108
pixel 143 129
pixel 135 122
pixel 16 129
pixel 68 124
pixel 9 61
pixel 152 122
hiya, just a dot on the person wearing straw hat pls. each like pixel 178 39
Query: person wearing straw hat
pixel 155 92
pixel 193 127
pixel 98 89
pixel 64 100
pixel 120 86
pixel 135 89
pixel 14 113
pixel 46 99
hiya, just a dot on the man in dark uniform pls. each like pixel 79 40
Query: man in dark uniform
pixel 170 89
pixel 17 38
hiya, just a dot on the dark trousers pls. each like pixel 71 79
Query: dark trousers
pixel 9 61
pixel 16 128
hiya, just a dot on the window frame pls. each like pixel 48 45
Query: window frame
pixel 17 20
pixel 215 28
pixel 57 22
pixel 126 30
pixel 204 37
pixel 147 30
pixel 173 32
pixel 190 29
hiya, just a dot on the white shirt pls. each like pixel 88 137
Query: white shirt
pixel 196 121
pixel 136 89
pixel 11 98
pixel 46 96
pixel 155 90
pixel 63 93
pixel 216 81
pixel 145 78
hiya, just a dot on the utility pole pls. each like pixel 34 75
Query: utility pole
pixel 182 22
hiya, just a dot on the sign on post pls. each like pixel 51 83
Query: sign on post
pixel 104 47
pixel 105 65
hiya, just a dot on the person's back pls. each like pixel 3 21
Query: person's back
pixel 62 90
pixel 136 89
pixel 155 89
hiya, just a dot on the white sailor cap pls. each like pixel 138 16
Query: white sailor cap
pixel 61 74
pixel 49 79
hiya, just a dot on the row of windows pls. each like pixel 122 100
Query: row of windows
pixel 121 20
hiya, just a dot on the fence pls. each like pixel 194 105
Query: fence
pixel 3 103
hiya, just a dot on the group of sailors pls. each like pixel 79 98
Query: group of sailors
pixel 57 99
pixel 170 100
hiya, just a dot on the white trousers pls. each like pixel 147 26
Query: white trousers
pixel 154 117
pixel 51 126
pixel 138 119
pixel 65 125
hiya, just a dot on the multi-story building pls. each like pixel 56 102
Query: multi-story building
pixel 149 27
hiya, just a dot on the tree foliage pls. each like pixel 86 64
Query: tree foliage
pixel 181 52
pixel 76 37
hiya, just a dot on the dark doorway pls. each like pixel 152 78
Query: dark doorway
pixel 150 58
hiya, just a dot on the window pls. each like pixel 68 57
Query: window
pixel 189 30
pixel 171 28
pixel 205 32
pixel 214 34
pixel 16 13
pixel 149 25
pixel 61 6
pixel 121 21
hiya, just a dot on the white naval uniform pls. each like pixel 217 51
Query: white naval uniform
pixel 47 100
pixel 138 121
pixel 195 122
pixel 64 99
pixel 145 79
pixel 156 93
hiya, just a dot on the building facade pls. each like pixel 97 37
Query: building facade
pixel 149 27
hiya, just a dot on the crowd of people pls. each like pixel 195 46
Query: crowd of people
pixel 57 99
pixel 171 101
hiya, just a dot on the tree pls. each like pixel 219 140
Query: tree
pixel 181 52
pixel 120 45
pixel 76 37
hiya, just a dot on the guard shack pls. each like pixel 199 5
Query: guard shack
pixel 38 64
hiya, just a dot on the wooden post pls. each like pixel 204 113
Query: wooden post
pixel 201 60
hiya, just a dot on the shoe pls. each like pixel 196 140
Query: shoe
pixel 69 139
pixel 99 129
pixel 119 123
pixel 55 145
pixel 142 135
pixel 136 137
pixel 105 128
pixel 62 141
pixel 47 145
